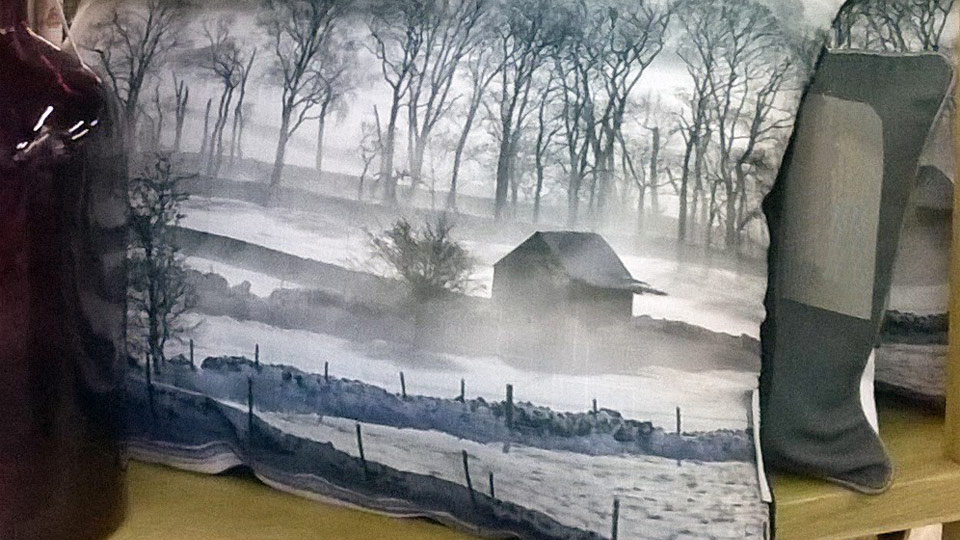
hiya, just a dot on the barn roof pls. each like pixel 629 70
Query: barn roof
pixel 586 257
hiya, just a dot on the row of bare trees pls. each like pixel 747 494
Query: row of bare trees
pixel 311 64
pixel 732 129
pixel 892 25
pixel 557 83
pixel 548 96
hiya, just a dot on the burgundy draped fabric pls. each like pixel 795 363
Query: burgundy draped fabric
pixel 61 295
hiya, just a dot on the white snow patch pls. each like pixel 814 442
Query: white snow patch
pixel 659 498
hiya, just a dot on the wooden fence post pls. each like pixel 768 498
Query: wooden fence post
pixel 466 471
pixel 363 459
pixel 250 408
pixel 463 388
pixel 595 406
pixel 149 386
pixel 509 408
pixel 256 356
pixel 616 519
pixel 493 494
pixel 326 372
pixel 403 387
pixel 679 431
pixel 192 365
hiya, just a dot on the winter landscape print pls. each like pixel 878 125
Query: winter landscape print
pixel 500 263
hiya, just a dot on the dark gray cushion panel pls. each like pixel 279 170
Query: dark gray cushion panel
pixel 813 358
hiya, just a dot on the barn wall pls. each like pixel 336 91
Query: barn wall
pixel 529 283
pixel 600 306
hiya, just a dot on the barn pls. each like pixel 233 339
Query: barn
pixel 565 274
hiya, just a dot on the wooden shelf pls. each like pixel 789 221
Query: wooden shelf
pixel 926 488
pixel 166 503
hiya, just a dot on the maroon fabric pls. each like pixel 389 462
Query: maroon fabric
pixel 59 463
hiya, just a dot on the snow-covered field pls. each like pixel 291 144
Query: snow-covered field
pixel 717 299
pixel 659 498
pixel 708 400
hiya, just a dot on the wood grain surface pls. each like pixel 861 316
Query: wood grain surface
pixel 169 504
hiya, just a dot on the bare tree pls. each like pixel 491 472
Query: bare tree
pixel 574 71
pixel 371 148
pixel 626 38
pixel 159 293
pixel 450 31
pixel 239 114
pixel 301 32
pixel 398 42
pixel 529 28
pixel 741 65
pixel 481 71
pixel 753 66
pixel 548 125
pixel 603 59
pixel 700 49
pixel 337 80
pixel 644 162
pixel 223 61
pixel 132 45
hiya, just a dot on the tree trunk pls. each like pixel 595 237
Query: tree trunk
pixel 321 127
pixel 457 160
pixel 654 170
pixel 730 238
pixel 386 163
pixel 641 209
pixel 605 179
pixel 539 169
pixel 178 134
pixel 537 194
pixel 712 213
pixel 741 203
pixel 178 128
pixel 684 180
pixel 218 161
pixel 212 147
pixel 608 186
pixel 234 128
pixel 514 188
pixel 240 130
pixel 236 135
pixel 458 152
pixel 512 173
pixel 573 197
pixel 206 130
pixel 182 96
pixel 416 165
pixel 503 173
pixel 277 174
